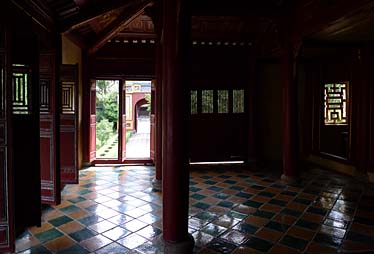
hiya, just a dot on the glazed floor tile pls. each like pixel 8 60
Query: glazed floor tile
pixel 232 209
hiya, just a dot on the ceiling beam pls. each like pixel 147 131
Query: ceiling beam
pixel 236 8
pixel 133 35
pixel 38 11
pixel 89 12
pixel 126 17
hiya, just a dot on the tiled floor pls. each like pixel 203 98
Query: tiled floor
pixel 233 209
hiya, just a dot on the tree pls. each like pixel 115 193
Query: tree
pixel 107 101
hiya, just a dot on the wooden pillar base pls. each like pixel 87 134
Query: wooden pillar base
pixel 290 180
pixel 157 185
pixel 165 247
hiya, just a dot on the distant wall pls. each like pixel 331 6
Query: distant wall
pixel 72 54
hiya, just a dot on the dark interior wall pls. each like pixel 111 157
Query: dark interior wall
pixel 215 67
pixel 219 136
pixel 323 66
pixel 269 110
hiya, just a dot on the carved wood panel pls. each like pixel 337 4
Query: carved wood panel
pixel 93 121
pixel 6 216
pixel 68 124
pixel 49 170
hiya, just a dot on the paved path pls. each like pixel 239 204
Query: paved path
pixel 138 145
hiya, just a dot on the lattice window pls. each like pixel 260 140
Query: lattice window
pixel 336 103
pixel 223 101
pixel 193 102
pixel 68 96
pixel 45 85
pixel 21 89
pixel 207 101
pixel 238 101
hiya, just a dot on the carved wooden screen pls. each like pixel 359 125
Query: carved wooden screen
pixel 336 103
pixel 68 124
pixel 6 213
pixel 93 121
pixel 49 170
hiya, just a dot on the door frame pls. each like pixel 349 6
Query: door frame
pixel 121 112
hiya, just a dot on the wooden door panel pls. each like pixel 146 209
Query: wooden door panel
pixel 123 119
pixel 152 120
pixel 93 121
pixel 49 170
pixel 152 136
pixel 26 134
pixel 6 196
pixel 69 124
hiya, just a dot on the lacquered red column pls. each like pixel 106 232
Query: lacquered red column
pixel 175 174
pixel 290 124
pixel 252 142
pixel 155 12
pixel 370 163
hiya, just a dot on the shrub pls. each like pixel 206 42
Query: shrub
pixel 103 132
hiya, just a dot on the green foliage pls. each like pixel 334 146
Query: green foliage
pixel 104 130
pixel 106 102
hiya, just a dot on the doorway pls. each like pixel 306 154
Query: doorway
pixel 107 119
pixel 138 119
pixel 120 121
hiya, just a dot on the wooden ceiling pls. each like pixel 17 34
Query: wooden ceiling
pixel 358 27
pixel 92 23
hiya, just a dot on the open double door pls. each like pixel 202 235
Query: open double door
pixel 128 95
pixel 38 133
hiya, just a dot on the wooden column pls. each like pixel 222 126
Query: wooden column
pixel 370 163
pixel 157 182
pixel 252 142
pixel 175 174
pixel 155 12
pixel 290 118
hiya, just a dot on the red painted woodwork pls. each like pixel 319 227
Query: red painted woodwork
pixel 152 120
pixel 175 180
pixel 158 101
pixel 370 163
pixel 68 124
pixel 290 133
pixel 252 137
pixel 93 121
pixel 120 59
pixel 6 171
pixel 152 136
pixel 49 169
pixel 122 135
pixel 26 128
